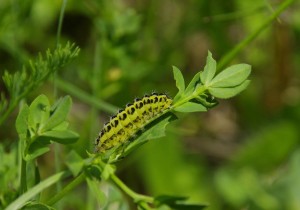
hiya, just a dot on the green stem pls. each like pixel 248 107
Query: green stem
pixel 66 189
pixel 136 197
pixel 57 161
pixel 60 21
pixel 198 91
pixel 232 53
pixel 77 92
pixel 23 176
pixel 140 199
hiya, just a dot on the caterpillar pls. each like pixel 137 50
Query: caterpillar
pixel 127 122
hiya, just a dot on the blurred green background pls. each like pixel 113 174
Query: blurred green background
pixel 243 154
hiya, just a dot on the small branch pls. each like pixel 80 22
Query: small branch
pixel 23 177
pixel 232 53
pixel 66 189
pixel 137 197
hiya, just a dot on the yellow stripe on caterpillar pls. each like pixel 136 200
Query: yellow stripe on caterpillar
pixel 126 123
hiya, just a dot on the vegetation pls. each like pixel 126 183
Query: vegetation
pixel 224 143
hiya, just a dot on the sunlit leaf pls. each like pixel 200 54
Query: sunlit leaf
pixel 209 70
pixel 179 82
pixel 231 76
pixel 228 92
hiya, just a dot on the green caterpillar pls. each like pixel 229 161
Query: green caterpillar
pixel 126 123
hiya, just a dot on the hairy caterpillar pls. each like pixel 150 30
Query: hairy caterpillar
pixel 126 123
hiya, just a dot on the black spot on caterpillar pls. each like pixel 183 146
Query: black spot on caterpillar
pixel 127 122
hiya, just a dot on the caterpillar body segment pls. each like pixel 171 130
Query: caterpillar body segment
pixel 126 123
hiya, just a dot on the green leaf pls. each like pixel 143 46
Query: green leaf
pixel 209 70
pixel 228 92
pixel 62 126
pixel 37 206
pixel 60 112
pixel 74 162
pixel 191 107
pixel 22 122
pixel 231 76
pixel 193 84
pixel 21 201
pixel 154 130
pixel 94 187
pixel 177 203
pixel 179 82
pixel 36 149
pixel 179 79
pixel 39 111
pixel 60 136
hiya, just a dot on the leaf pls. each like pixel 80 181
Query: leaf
pixel 60 136
pixel 228 92
pixel 22 122
pixel 37 206
pixel 169 199
pixel 93 185
pixel 36 149
pixel 177 203
pixel 191 107
pixel 192 85
pixel 59 114
pixel 74 162
pixel 209 70
pixel 21 200
pixel 231 76
pixel 62 126
pixel 179 82
pixel 154 130
pixel 179 79
pixel 38 112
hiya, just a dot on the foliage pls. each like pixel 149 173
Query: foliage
pixel 242 154
pixel 40 124
pixel 21 83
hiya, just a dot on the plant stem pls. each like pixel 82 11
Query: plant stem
pixel 23 177
pixel 232 53
pixel 136 197
pixel 198 91
pixel 22 200
pixel 77 92
pixel 66 189
pixel 60 21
